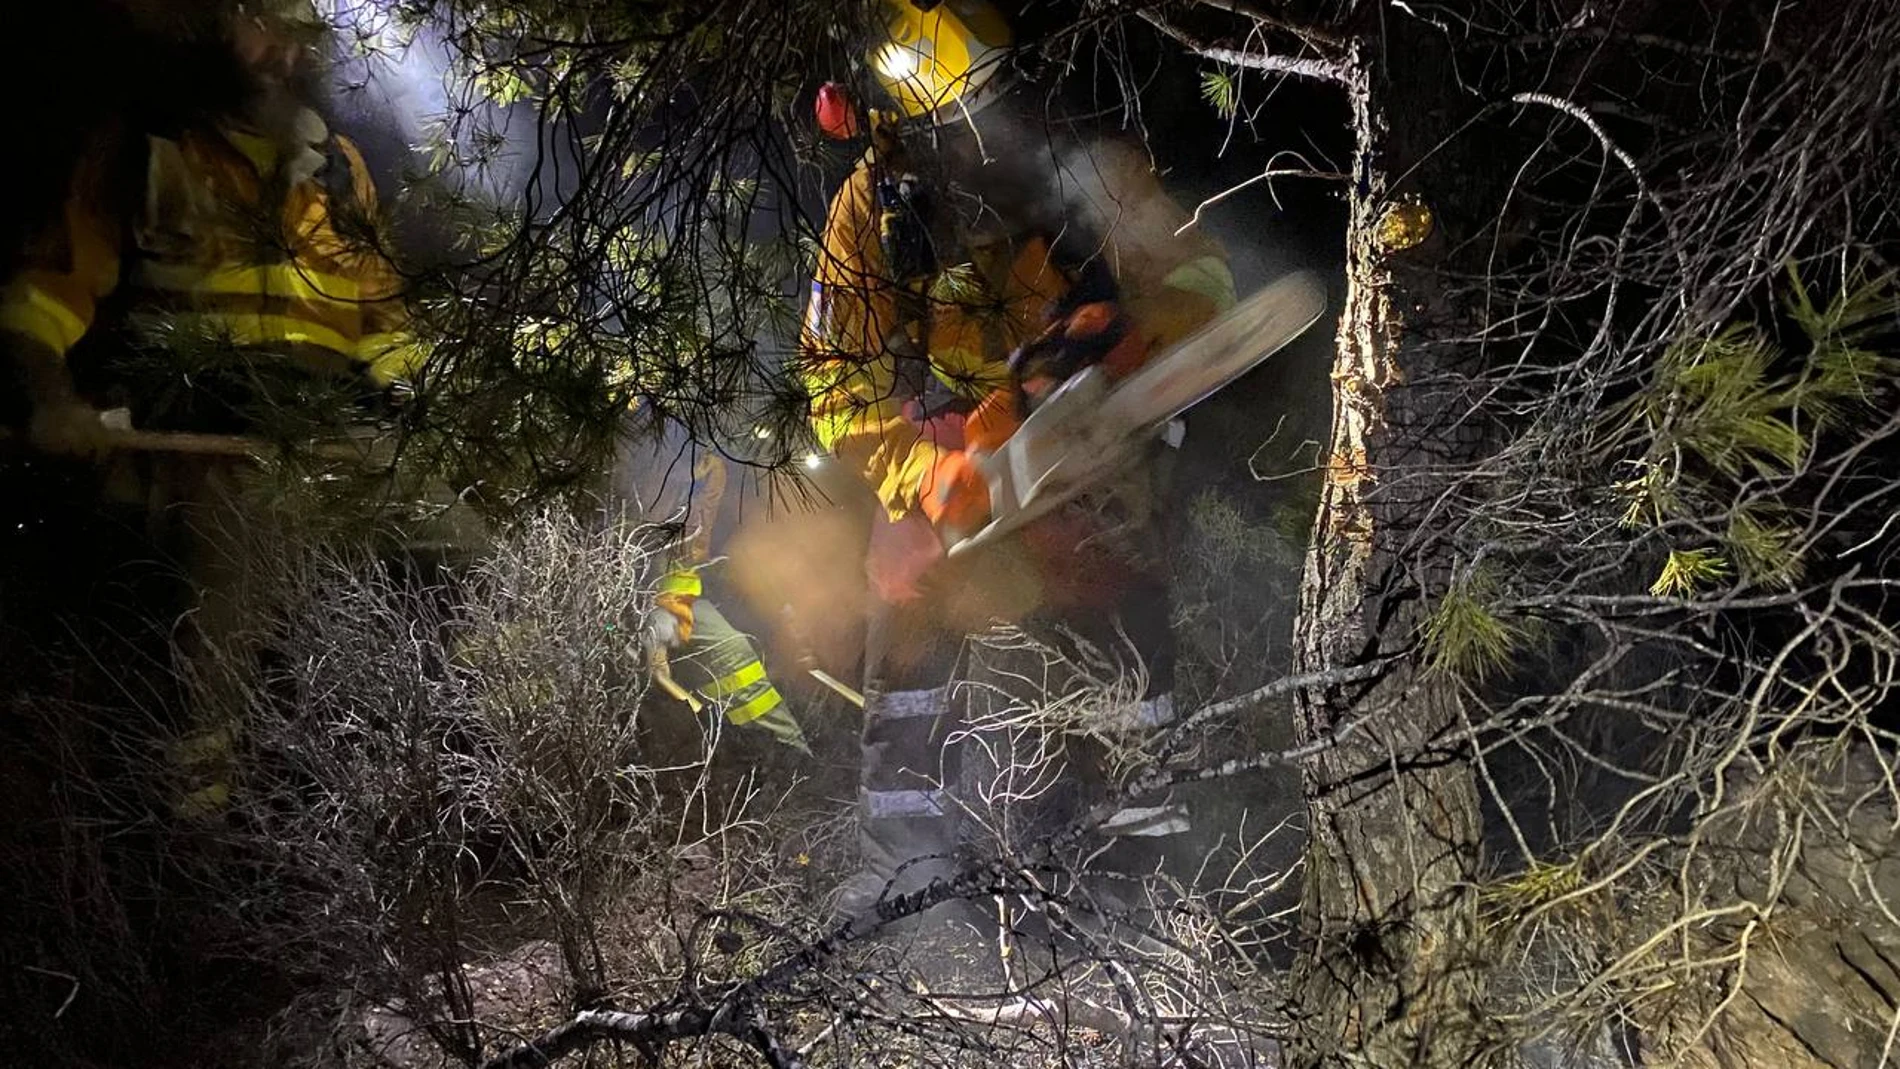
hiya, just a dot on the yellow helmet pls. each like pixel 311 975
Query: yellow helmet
pixel 939 54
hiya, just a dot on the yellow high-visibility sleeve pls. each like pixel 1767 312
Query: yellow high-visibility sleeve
pixel 68 267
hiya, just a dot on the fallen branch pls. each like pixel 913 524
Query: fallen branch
pixel 648 1032
pixel 1025 1011
pixel 1358 673
pixel 655 1028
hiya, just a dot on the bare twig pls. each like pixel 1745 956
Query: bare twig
pixel 1317 69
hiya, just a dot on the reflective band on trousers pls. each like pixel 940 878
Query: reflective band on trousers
pixel 888 805
pixel 1157 711
pixel 907 704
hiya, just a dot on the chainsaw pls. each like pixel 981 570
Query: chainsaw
pixel 1088 430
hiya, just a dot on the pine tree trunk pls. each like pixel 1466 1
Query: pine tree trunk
pixel 1394 823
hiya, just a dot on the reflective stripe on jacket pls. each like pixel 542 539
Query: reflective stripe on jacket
pixel 221 253
pixel 721 665
pixel 853 335
pixel 1169 284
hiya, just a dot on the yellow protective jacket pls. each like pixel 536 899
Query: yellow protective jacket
pixel 669 479
pixel 854 334
pixel 232 239
pixel 672 480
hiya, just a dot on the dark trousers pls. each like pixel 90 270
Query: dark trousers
pixel 1097 602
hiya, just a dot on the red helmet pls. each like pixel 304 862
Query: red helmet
pixel 837 112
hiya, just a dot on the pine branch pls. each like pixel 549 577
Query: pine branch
pixel 736 1013
pixel 1312 35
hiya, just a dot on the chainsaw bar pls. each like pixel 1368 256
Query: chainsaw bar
pixel 1090 430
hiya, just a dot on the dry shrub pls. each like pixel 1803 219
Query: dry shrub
pixel 437 764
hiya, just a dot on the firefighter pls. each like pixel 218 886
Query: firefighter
pixel 231 231
pixel 1067 258
pixel 672 483
pixel 230 246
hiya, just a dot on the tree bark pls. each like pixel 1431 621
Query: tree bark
pixel 1383 978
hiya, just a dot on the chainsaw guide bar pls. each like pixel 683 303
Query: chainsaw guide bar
pixel 1090 430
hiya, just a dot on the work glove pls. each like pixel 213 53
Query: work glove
pixel 1094 333
pixel 944 466
pixel 955 497
pixel 55 418
pixel 992 422
pixel 670 623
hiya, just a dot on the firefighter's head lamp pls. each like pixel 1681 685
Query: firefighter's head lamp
pixel 937 60
pixel 940 58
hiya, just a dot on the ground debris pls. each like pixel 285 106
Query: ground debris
pixel 521 989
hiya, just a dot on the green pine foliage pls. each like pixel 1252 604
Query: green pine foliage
pixel 1766 549
pixel 1844 376
pixel 1465 636
pixel 1719 402
pixel 1221 90
pixel 1730 417
pixel 958 284
pixel 1687 571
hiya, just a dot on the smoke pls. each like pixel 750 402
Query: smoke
pixel 1012 168
pixel 404 79
pixel 1018 163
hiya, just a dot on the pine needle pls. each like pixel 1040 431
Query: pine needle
pixel 1722 404
pixel 1687 569
pixel 1647 495
pixel 1540 884
pixel 1221 90
pixel 1843 376
pixel 1464 637
pixel 1767 552
pixel 957 285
